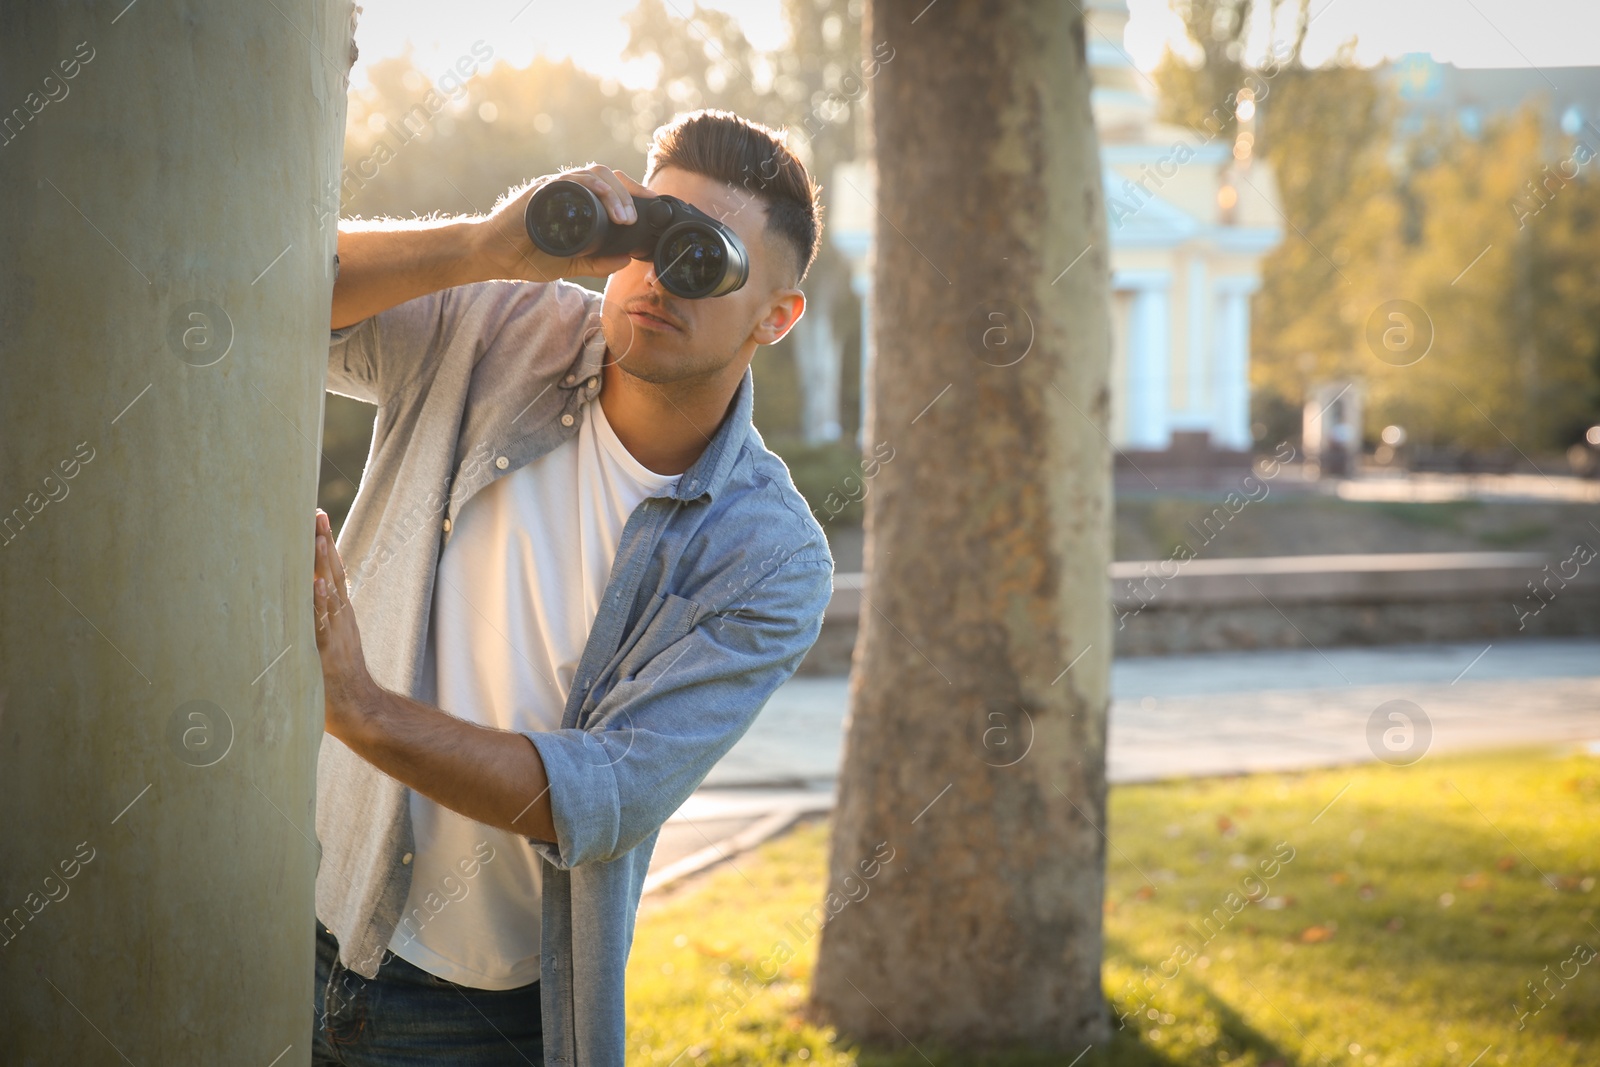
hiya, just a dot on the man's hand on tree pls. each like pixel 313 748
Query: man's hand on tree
pixel 346 685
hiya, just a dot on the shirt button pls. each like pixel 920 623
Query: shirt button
pixel 447 526
pixel 566 420
pixel 591 382
pixel 502 463
pixel 571 378
pixel 406 858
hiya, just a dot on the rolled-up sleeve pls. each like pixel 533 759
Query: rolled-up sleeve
pixel 370 360
pixel 377 358
pixel 656 735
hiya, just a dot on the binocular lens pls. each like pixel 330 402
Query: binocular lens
pixel 565 220
pixel 695 256
pixel 695 262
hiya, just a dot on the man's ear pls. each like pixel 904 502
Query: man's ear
pixel 782 313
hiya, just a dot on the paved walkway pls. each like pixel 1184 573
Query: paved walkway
pixel 1214 713
pixel 1427 487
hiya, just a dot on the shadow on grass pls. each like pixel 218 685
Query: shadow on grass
pixel 1240 1041
pixel 1411 919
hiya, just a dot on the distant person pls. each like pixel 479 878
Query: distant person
pixel 1338 455
pixel 578 575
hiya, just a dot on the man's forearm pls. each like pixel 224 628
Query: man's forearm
pixel 493 776
pixel 385 264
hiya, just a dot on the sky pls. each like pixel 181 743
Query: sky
pixel 1471 33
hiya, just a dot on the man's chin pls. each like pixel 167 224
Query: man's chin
pixel 653 367
pixel 629 342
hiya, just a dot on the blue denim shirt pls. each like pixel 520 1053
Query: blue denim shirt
pixel 716 594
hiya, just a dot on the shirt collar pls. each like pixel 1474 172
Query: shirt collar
pixel 710 472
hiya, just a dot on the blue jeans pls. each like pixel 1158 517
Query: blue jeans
pixel 407 1016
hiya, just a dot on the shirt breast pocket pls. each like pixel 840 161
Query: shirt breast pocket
pixel 671 617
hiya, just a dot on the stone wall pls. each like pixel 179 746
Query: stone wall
pixel 1164 607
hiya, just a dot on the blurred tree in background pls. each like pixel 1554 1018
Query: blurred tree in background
pixel 1325 132
pixel 1372 218
pixel 501 127
pixel 1499 265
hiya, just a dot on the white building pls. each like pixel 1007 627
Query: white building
pixel 1189 216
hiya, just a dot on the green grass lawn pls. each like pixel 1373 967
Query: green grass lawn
pixel 1406 916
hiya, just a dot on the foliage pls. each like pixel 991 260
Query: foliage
pixel 1486 233
pixel 1517 343
pixel 1404 929
pixel 1319 284
pixel 499 129
pixel 1192 85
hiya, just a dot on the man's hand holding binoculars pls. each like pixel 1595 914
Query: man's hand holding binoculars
pixel 504 243
pixel 588 222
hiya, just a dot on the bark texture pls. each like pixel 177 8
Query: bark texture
pixel 974 757
pixel 171 179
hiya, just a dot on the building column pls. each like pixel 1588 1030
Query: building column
pixel 861 285
pixel 817 363
pixel 1199 396
pixel 1231 366
pixel 1149 359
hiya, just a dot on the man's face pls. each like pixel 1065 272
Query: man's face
pixel 661 338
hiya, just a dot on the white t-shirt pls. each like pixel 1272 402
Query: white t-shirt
pixel 518 587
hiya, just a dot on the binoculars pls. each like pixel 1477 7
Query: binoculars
pixel 695 255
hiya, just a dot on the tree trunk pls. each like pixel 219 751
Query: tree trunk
pixel 967 866
pixel 171 176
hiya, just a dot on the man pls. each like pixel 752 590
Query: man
pixel 571 578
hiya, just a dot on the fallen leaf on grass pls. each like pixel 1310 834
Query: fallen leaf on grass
pixel 1311 935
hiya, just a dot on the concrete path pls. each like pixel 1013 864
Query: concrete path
pixel 1208 714
pixel 1433 487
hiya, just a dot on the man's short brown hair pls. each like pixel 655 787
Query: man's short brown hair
pixel 754 158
